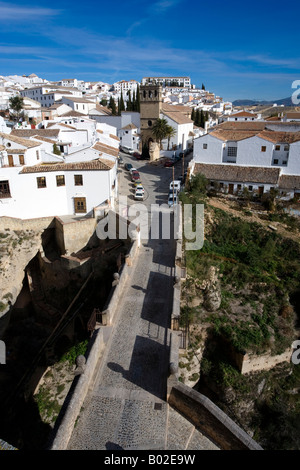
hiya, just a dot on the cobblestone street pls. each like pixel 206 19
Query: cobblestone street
pixel 126 407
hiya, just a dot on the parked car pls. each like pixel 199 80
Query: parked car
pixel 137 155
pixel 173 200
pixel 120 159
pixel 139 195
pixel 140 187
pixel 169 163
pixel 135 177
pixel 128 166
pixel 132 169
pixel 125 149
pixel 176 184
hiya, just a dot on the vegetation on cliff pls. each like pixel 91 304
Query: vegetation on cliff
pixel 259 281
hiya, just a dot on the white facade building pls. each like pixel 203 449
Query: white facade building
pixel 33 186
pixel 252 156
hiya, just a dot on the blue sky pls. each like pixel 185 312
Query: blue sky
pixel 237 49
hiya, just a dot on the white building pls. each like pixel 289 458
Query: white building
pixel 82 105
pixel 178 117
pixel 48 94
pixel 172 82
pixel 251 155
pixel 33 186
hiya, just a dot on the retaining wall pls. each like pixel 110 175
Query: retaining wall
pixel 201 411
pixel 78 393
pixel 80 386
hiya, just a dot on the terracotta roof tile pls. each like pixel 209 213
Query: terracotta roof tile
pixel 289 182
pixel 19 140
pixel 91 165
pixel 238 174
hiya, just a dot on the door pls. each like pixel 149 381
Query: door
pixel 10 160
pixel 80 205
pixel 261 190
pixel 230 188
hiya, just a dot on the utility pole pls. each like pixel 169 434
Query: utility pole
pixel 173 185
pixel 182 158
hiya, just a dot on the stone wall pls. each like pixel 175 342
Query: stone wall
pixel 209 419
pixel 77 394
pixel 251 363
pixel 80 386
pixel 38 224
pixel 71 236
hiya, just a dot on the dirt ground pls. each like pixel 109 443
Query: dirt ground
pixel 235 208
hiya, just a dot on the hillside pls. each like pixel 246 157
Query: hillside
pixel 249 102
pixel 241 296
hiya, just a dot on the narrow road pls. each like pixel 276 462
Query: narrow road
pixel 126 407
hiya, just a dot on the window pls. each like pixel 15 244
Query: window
pixel 80 205
pixel 41 182
pixel 286 148
pixel 263 148
pixel 4 189
pixel 232 151
pixel 239 187
pixel 60 180
pixel 277 147
pixel 78 180
pixel 275 161
pixel 284 162
pixel 250 187
pixel 204 146
pixel 149 123
pixel 37 155
pixel 21 160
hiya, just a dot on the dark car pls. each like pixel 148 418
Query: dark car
pixel 135 175
pixel 137 155
pixel 128 166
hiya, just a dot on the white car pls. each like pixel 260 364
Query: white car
pixel 176 184
pixel 139 195
pixel 132 169
pixel 140 187
pixel 125 149
pixel 173 200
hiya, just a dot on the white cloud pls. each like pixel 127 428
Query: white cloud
pixel 10 11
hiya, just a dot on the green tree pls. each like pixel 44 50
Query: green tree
pixel 137 101
pixel 16 103
pixel 112 106
pixel 103 102
pixel 121 106
pixel 56 150
pixel 203 87
pixel 160 130
pixel 129 106
pixel 170 132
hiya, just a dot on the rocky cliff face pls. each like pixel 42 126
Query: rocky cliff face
pixel 17 248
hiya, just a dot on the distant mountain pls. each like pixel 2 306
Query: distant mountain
pixel 284 101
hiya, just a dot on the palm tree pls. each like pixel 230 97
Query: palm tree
pixel 160 130
pixel 171 132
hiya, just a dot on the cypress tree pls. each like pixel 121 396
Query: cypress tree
pixel 138 108
pixel 121 105
pixel 202 121
pixel 129 102
pixel 112 106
